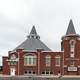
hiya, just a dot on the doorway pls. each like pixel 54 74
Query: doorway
pixel 12 71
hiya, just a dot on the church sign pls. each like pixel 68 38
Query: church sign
pixel 72 68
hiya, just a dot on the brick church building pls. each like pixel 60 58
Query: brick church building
pixel 33 57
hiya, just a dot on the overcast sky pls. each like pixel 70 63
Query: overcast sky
pixel 50 17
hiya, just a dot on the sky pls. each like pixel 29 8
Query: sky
pixel 50 17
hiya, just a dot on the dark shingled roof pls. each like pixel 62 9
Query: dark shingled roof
pixel 71 29
pixel 33 42
pixel 33 31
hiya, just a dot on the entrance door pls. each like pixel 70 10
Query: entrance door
pixel 12 71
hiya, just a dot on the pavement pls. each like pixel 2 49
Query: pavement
pixel 7 77
pixel 15 78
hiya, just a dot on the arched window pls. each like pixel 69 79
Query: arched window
pixel 48 60
pixel 72 48
pixel 30 60
pixel 58 60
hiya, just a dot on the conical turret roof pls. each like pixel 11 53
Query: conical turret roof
pixel 33 31
pixel 71 29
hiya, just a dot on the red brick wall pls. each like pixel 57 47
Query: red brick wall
pixel 66 46
pixel 42 66
pixel 53 68
pixel 5 66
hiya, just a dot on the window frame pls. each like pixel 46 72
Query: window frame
pixel 48 60
pixel 30 60
pixel 72 48
pixel 58 60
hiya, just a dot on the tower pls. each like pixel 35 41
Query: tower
pixel 71 47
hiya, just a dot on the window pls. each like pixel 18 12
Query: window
pixel 32 36
pixel 47 72
pixel 51 72
pixel 72 48
pixel 34 73
pixel 13 57
pixel 57 60
pixel 62 49
pixel 25 72
pixel 72 54
pixel 30 60
pixel 43 72
pixel 48 60
pixel 72 45
pixel 28 72
pixel 72 64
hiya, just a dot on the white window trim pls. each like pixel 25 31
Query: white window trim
pixel 48 58
pixel 32 60
pixel 58 57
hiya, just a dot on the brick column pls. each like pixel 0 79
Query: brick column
pixel 39 54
